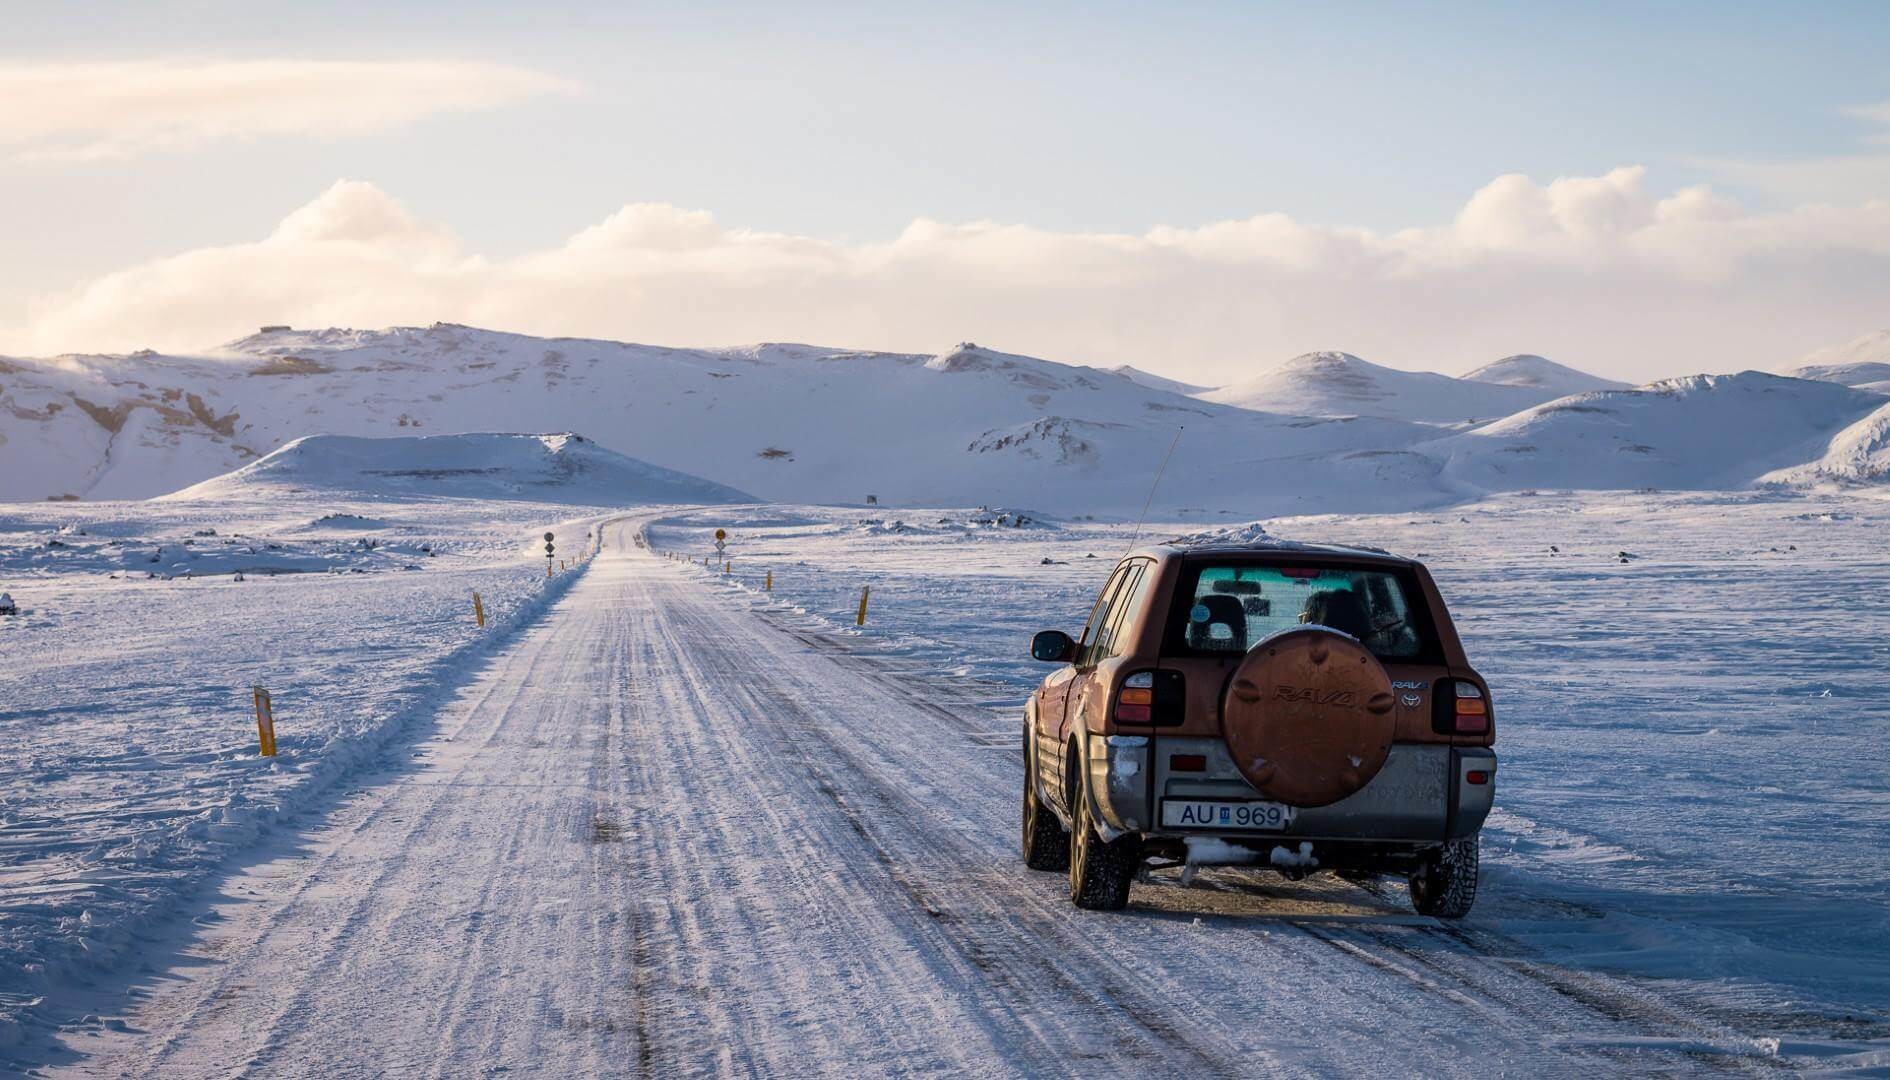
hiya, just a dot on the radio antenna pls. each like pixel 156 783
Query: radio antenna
pixel 1151 488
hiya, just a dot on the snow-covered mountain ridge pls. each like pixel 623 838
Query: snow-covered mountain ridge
pixel 1338 383
pixel 561 468
pixel 1542 374
pixel 970 426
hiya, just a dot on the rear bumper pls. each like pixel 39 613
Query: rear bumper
pixel 1423 795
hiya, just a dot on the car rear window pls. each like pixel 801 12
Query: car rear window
pixel 1227 608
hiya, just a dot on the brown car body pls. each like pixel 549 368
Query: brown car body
pixel 1429 791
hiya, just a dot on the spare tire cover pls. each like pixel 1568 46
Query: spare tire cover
pixel 1308 716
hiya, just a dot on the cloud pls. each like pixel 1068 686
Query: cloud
pixel 1861 175
pixel 106 110
pixel 1603 272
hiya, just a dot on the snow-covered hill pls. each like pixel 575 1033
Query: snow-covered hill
pixel 1703 431
pixel 1154 381
pixel 563 468
pixel 1859 453
pixel 1340 384
pixel 1541 374
pixel 785 422
pixel 971 426
pixel 1862 362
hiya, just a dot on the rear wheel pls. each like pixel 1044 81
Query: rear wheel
pixel 1445 885
pixel 1100 873
pixel 1046 845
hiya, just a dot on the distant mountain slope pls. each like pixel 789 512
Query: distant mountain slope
pixel 969 426
pixel 1870 376
pixel 1859 453
pixel 1862 362
pixel 1703 431
pixel 542 468
pixel 788 422
pixel 1154 381
pixel 1542 374
pixel 1340 384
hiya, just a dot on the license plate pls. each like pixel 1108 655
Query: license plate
pixel 1201 814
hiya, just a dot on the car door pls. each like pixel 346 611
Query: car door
pixel 1053 697
pixel 1089 691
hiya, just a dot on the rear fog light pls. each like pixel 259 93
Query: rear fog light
pixel 1187 763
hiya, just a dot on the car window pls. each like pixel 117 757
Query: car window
pixel 1098 613
pixel 1226 609
pixel 1128 601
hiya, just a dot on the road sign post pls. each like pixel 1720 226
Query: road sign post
pixel 550 549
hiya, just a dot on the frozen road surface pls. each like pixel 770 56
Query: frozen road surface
pixel 661 835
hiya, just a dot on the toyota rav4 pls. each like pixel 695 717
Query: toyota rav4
pixel 1295 706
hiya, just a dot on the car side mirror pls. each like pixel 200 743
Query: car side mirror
pixel 1052 647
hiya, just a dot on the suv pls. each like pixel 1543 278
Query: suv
pixel 1304 707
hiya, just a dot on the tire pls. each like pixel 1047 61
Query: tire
pixel 1445 885
pixel 1046 844
pixel 1100 873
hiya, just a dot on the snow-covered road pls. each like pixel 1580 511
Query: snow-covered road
pixel 662 834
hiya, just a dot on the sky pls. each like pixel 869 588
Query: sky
pixel 1202 190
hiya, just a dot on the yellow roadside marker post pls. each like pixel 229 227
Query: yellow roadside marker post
pixel 725 568
pixel 479 610
pixel 769 584
pixel 265 722
pixel 865 591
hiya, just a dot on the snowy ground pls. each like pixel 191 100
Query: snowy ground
pixel 682 825
pixel 1694 787
pixel 126 728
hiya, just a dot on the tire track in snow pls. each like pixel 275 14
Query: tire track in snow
pixel 810 869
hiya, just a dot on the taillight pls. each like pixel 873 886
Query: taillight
pixel 1476 776
pixel 1150 697
pixel 1459 708
pixel 1136 703
pixel 1187 763
pixel 1473 713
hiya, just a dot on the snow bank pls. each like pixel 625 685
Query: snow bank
pixel 203 555
pixel 1252 532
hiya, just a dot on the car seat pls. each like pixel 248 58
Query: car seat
pixel 1222 610
pixel 1337 609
